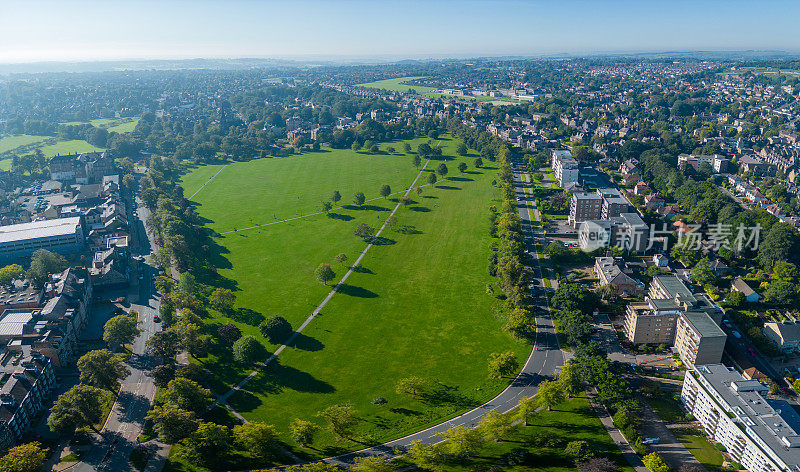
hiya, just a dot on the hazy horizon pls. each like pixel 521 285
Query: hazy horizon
pixel 89 30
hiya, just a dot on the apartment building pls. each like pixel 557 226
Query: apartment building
pixel 698 339
pixel 651 321
pixel 565 168
pixel 627 231
pixel 614 203
pixel 717 163
pixel 761 434
pixel 585 206
pixel 26 381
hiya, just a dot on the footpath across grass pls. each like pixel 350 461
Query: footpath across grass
pixel 417 305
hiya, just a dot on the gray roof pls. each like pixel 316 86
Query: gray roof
pixel 704 325
pixel 673 286
pixel 774 423
pixel 39 229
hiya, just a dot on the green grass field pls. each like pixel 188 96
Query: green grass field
pixel 11 142
pixel 124 126
pixel 701 448
pixel 69 147
pixel 545 439
pixel 417 306
pixel 397 85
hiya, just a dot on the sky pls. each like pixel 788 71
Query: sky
pixel 86 30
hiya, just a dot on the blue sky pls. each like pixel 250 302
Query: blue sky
pixel 34 30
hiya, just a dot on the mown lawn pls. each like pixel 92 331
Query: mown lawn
pixel 701 448
pixel 11 142
pixel 417 306
pixel 70 146
pixel 397 85
pixel 545 439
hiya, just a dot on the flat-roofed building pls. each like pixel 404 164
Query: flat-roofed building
pixel 698 339
pixel 651 321
pixel 760 433
pixel 585 206
pixel 62 235
pixel 565 167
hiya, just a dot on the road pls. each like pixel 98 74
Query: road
pixel 125 422
pixel 544 362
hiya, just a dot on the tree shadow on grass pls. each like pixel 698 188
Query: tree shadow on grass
pixel 247 316
pixel 451 396
pixel 354 291
pixel 448 187
pixel 405 411
pixel 461 179
pixel 366 207
pixel 339 216
pixel 307 343
pixel 421 209
pixel 381 241
pixel 362 270
pixel 430 196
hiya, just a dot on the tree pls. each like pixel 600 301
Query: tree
pixel 735 299
pixel 785 271
pixel 247 349
pixel 210 443
pixel 424 149
pixel 385 191
pixel 102 368
pixel 187 395
pixel 780 292
pixel 303 431
pixel 340 258
pixel 276 329
pixel 359 198
pixel 80 406
pixel 655 463
pixel 494 426
pixel 44 263
pixel 336 196
pixel 432 178
pixel 364 231
pixel 527 406
pixel 162 374
pixel 462 150
pixel 701 273
pixel 341 420
pixel 172 423
pixel 260 439
pixel 462 167
pixel 28 457
pixel 417 161
pixel 187 283
pixel 463 441
pixel 163 344
pixel 10 273
pixel 327 207
pixel 502 365
pixel 550 394
pixel 324 273
pixel 372 464
pixel 191 339
pixel 427 456
pixel 780 244
pixel 578 451
pixel 412 386
pixel 229 333
pixel 222 300
pixel 441 169
pixel 478 163
pixel 121 329
pixel 164 285
pixel 406 147
pixel 570 379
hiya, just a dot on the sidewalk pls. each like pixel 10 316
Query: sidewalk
pixel 600 410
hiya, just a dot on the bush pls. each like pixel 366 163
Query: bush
pixel 193 372
pixel 655 463
pixel 517 456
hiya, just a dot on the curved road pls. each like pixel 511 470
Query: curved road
pixel 545 360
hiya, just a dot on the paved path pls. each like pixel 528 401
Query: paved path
pixel 605 418
pixel 544 362
pixel 207 182
pixel 223 399
pixel 669 448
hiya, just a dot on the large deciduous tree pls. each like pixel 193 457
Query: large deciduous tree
pixel 102 368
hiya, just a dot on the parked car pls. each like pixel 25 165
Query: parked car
pixel 736 334
pixel 155 318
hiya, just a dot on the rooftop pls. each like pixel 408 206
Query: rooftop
pixel 703 324
pixel 39 229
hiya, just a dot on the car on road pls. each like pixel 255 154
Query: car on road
pixel 736 334
pixel 155 318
